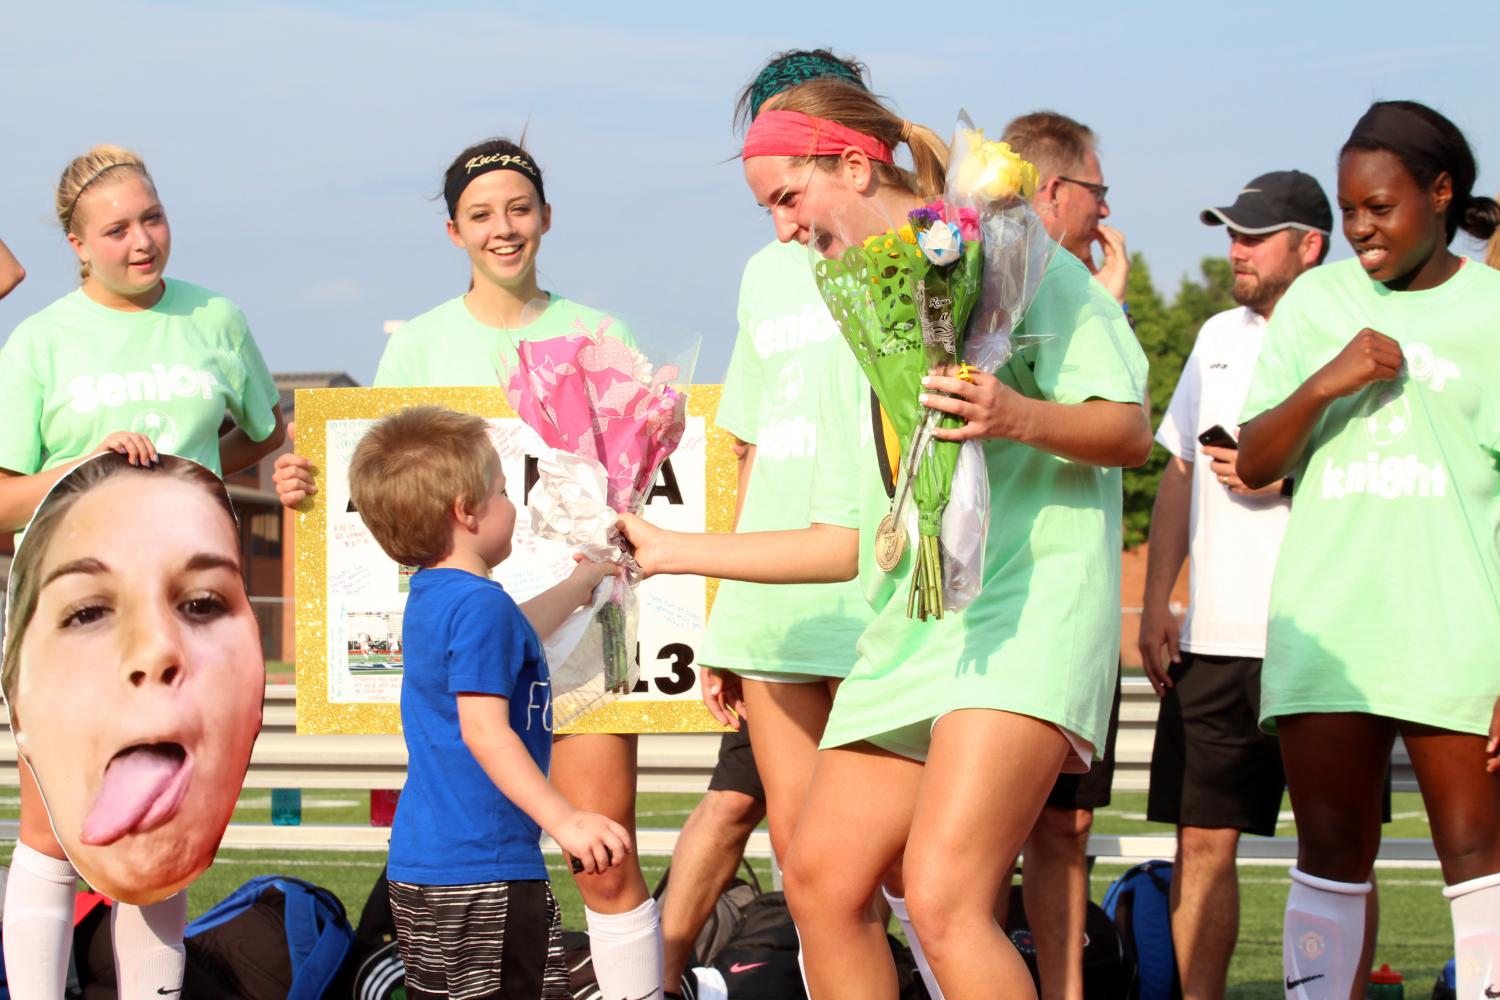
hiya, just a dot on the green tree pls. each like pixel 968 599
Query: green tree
pixel 1166 333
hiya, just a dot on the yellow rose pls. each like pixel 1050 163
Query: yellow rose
pixel 991 171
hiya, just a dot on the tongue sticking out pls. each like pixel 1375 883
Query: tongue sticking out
pixel 133 782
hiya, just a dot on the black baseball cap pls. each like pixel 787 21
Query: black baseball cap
pixel 1282 199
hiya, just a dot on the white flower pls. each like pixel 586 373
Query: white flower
pixel 941 243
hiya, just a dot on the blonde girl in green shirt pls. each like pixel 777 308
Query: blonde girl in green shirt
pixel 498 214
pixel 1379 388
pixel 139 364
pixel 946 737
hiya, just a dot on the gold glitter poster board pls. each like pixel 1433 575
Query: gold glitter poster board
pixel 348 645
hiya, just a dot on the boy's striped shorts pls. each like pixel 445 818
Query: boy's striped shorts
pixel 500 940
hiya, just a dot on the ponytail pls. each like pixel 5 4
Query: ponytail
pixel 856 108
pixel 1481 219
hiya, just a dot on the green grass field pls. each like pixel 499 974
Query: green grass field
pixel 379 664
pixel 1415 934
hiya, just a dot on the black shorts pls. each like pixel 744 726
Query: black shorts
pixel 736 770
pixel 1091 790
pixel 1212 765
pixel 487 941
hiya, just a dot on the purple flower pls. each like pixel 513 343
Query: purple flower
pixel 923 217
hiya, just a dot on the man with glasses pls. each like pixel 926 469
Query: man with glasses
pixel 1071 194
pixel 1070 198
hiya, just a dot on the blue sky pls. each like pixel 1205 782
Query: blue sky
pixel 298 147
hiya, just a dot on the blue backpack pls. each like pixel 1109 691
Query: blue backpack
pixel 1139 904
pixel 1446 987
pixel 238 944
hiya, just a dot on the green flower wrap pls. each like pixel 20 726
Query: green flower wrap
pixel 904 317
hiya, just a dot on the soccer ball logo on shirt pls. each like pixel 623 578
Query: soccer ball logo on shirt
pixel 160 428
pixel 1391 419
pixel 788 385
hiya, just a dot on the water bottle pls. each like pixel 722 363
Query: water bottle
pixel 286 806
pixel 383 805
pixel 1385 985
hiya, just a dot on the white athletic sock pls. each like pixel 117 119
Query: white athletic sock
pixel 38 923
pixel 149 955
pixel 898 910
pixel 801 962
pixel 710 983
pixel 627 950
pixel 1476 933
pixel 1323 936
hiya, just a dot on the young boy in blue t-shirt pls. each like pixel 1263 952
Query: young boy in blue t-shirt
pixel 475 916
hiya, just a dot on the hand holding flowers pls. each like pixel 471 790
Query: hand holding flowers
pixel 987 406
pixel 612 419
pixel 943 292
pixel 649 545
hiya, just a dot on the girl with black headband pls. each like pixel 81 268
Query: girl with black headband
pixel 139 364
pixel 1379 389
pixel 497 214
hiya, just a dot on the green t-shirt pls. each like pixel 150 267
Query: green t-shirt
pixel 789 362
pixel 1386 597
pixel 447 346
pixel 78 371
pixel 1042 638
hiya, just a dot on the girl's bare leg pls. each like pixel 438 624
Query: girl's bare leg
pixel 987 777
pixel 1462 799
pixel 852 830
pixel 597 772
pixel 787 722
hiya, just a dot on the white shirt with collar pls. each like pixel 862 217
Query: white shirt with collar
pixel 1232 539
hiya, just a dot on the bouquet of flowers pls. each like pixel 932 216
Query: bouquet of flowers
pixel 613 420
pixel 941 293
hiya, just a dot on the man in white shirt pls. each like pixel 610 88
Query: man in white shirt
pixel 1214 774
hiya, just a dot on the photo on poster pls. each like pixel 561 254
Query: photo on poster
pixel 374 642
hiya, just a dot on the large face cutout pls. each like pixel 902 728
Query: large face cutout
pixel 137 688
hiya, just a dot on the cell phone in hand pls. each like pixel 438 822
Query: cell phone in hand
pixel 1217 437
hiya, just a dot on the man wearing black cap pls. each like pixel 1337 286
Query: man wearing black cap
pixel 1214 774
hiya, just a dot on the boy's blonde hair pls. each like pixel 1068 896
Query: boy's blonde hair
pixel 407 471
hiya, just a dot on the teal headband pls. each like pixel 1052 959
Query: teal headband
pixel 788 71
